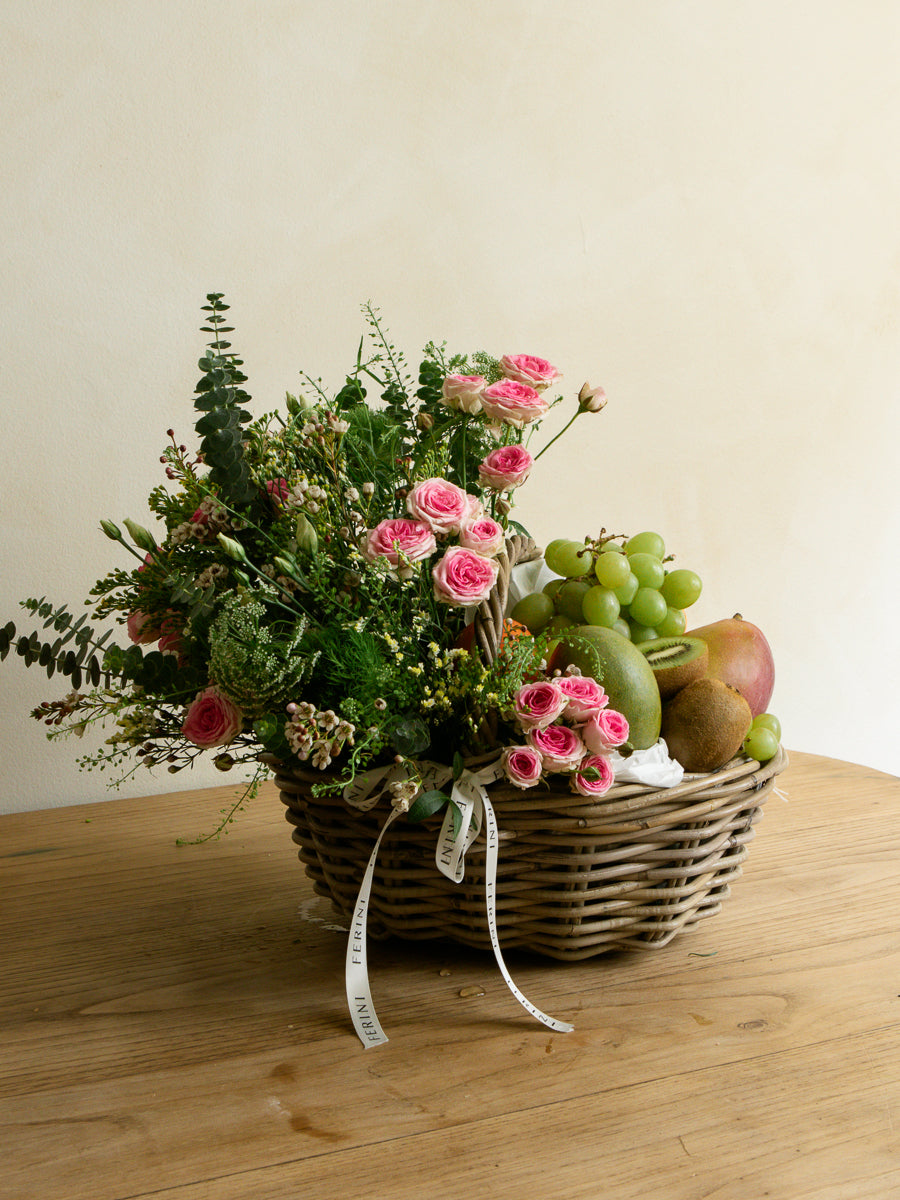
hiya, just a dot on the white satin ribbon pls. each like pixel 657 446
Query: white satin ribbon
pixel 471 798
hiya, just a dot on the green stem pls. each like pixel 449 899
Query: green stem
pixel 558 435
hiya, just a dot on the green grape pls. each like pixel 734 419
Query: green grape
pixel 557 623
pixel 648 568
pixel 673 623
pixel 625 593
pixel 534 611
pixel 646 543
pixel 767 721
pixel 639 632
pixel 611 569
pixel 600 606
pixel 621 626
pixel 647 607
pixel 760 743
pixel 569 597
pixel 681 588
pixel 568 558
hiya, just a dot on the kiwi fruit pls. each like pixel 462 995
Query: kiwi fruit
pixel 704 725
pixel 676 662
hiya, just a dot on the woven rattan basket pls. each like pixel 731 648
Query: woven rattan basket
pixel 577 877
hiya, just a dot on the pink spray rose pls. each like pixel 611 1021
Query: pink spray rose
pixel 593 777
pixel 605 731
pixel 139 628
pixel 522 765
pixel 511 401
pixel 463 392
pixel 484 535
pixel 463 577
pixel 441 505
pixel 395 536
pixel 279 491
pixel 585 697
pixel 212 720
pixel 526 368
pixel 560 747
pixel 506 467
pixel 539 704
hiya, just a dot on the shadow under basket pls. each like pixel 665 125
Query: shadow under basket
pixel 576 877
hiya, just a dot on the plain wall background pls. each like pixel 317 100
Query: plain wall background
pixel 694 203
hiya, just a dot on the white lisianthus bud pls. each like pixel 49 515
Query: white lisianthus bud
pixel 142 537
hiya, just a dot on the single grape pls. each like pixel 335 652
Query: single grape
pixel 760 743
pixel 621 626
pixel 534 611
pixel 568 558
pixel 600 606
pixel 673 623
pixel 681 588
pixel 625 593
pixel 648 568
pixel 558 623
pixel 640 633
pixel 570 596
pixel 611 569
pixel 767 721
pixel 648 607
pixel 551 587
pixel 646 543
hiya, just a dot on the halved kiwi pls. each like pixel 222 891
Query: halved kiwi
pixel 675 661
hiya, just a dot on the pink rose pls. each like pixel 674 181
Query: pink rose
pixel 560 747
pixel 463 577
pixel 593 777
pixel 522 765
pixel 526 368
pixel 539 704
pixel 484 535
pixel 585 697
pixel 212 720
pixel 139 628
pixel 395 536
pixel 514 402
pixel 506 467
pixel 605 731
pixel 463 392
pixel 441 505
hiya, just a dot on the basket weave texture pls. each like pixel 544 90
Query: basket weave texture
pixel 576 877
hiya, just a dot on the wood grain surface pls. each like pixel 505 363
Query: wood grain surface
pixel 173 1025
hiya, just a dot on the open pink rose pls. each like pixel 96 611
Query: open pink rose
pixel 506 467
pixel 584 695
pixel 484 535
pixel 441 505
pixel 212 720
pixel 511 401
pixel 463 577
pixel 539 704
pixel 593 777
pixel 605 731
pixel 526 368
pixel 395 536
pixel 463 392
pixel 523 766
pixel 560 747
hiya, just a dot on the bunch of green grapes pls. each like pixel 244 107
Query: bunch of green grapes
pixel 624 586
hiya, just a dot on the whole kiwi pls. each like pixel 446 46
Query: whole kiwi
pixel 704 724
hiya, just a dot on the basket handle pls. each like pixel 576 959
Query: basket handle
pixel 489 617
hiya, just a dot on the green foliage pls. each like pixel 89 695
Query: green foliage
pixel 219 400
pixel 76 663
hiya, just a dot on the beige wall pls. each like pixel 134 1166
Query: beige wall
pixel 693 202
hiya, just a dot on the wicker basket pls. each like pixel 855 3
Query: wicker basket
pixel 577 877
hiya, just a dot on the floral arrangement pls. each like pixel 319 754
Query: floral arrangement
pixel 308 590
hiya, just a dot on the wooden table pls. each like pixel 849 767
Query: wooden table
pixel 173 1025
